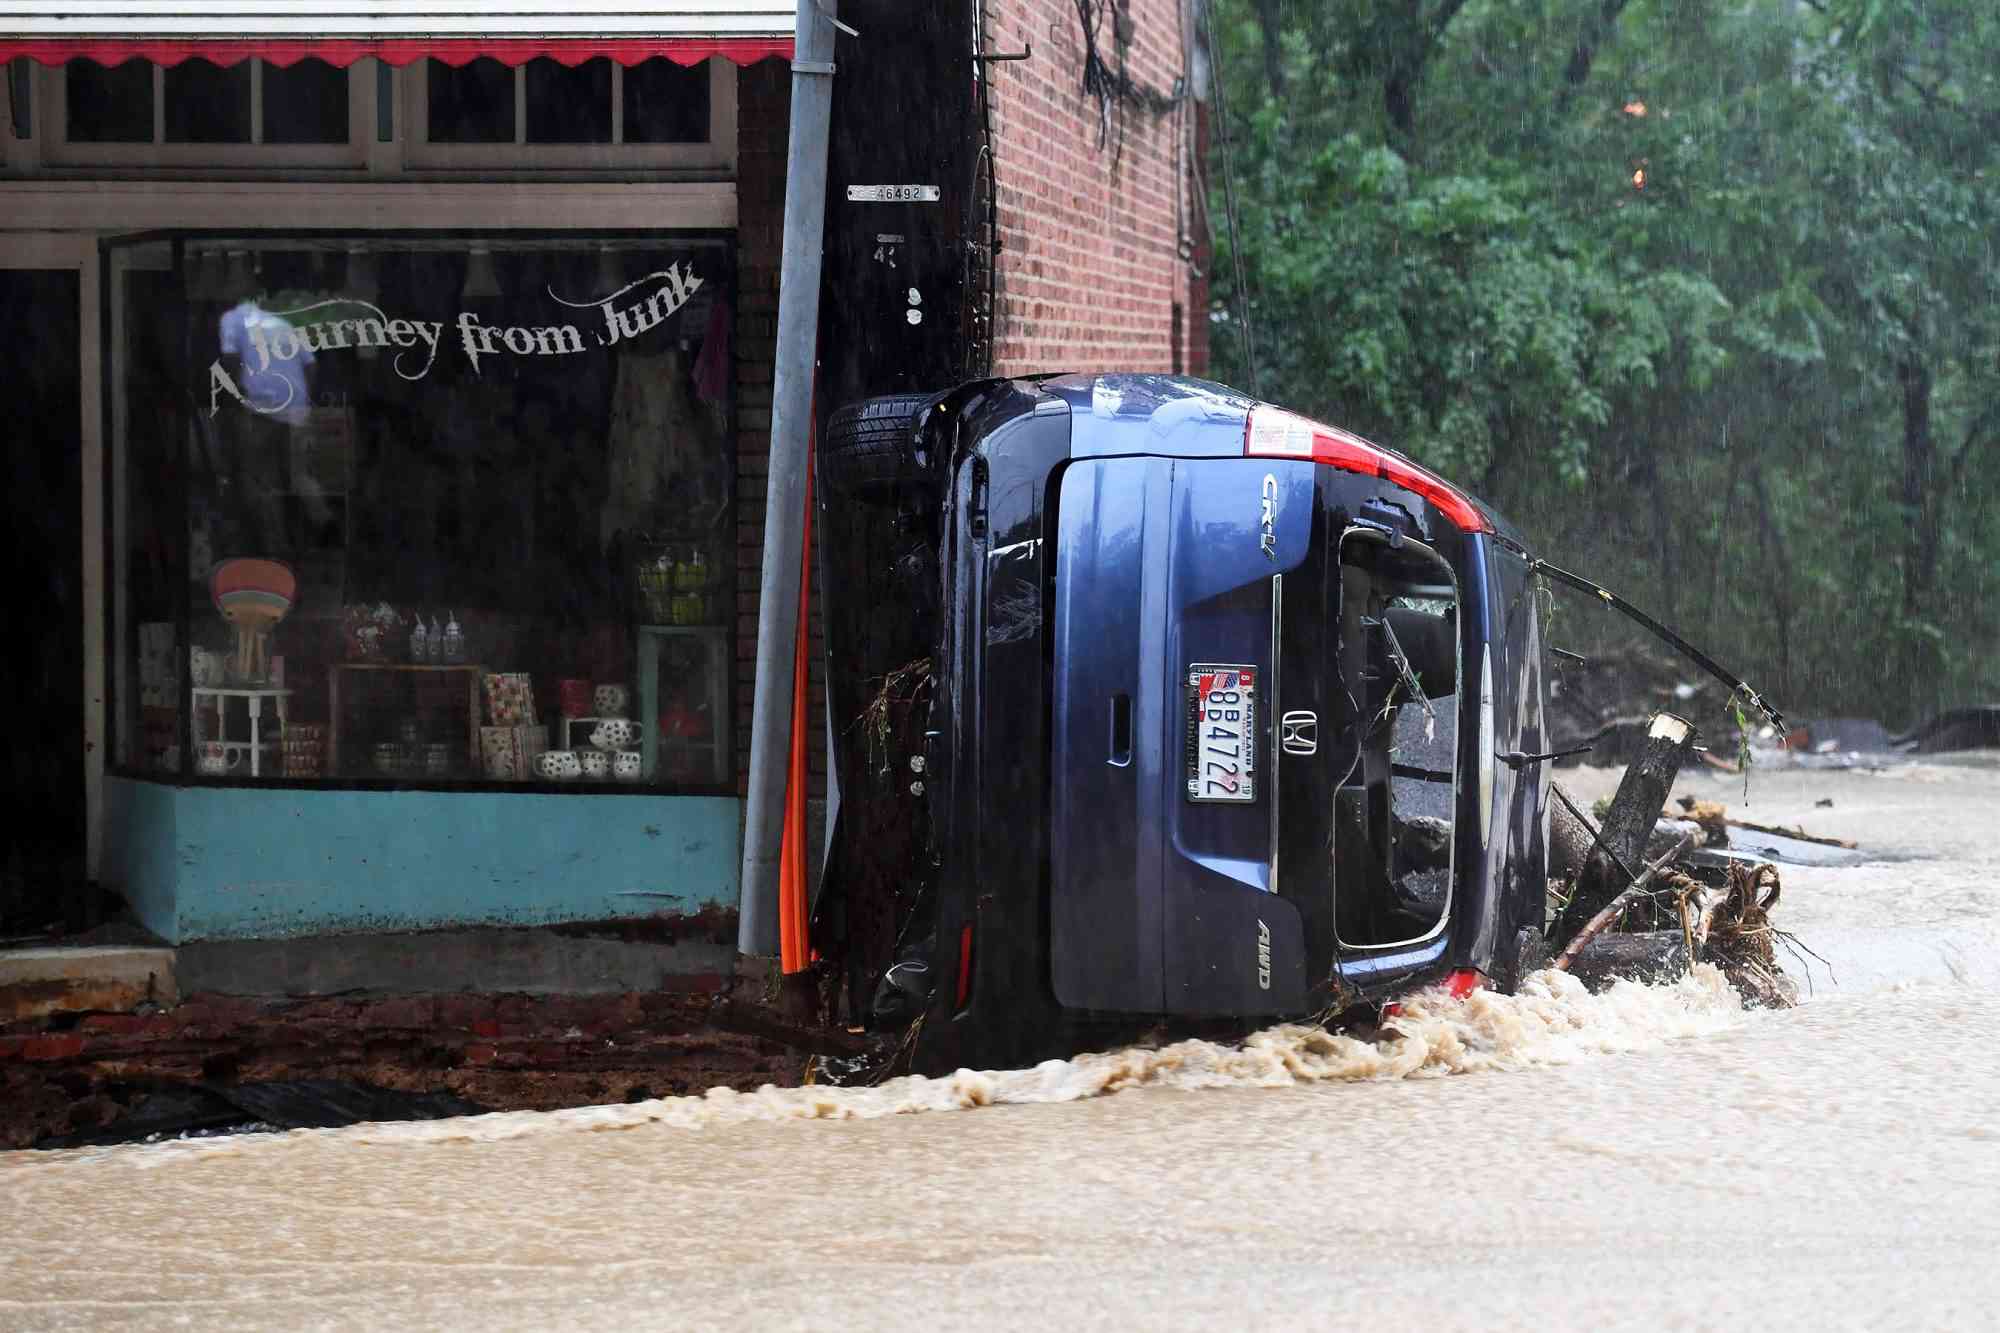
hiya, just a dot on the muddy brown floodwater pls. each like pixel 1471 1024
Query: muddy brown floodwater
pixel 1652 1157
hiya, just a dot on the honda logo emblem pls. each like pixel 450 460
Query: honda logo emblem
pixel 1298 732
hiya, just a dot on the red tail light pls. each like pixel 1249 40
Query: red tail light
pixel 964 965
pixel 1458 985
pixel 1463 982
pixel 1272 432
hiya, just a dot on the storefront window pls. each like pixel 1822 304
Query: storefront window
pixel 438 510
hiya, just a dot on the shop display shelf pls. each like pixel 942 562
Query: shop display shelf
pixel 712 754
pixel 474 672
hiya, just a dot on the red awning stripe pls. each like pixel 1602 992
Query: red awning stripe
pixel 344 51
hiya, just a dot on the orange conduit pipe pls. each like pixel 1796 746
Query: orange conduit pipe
pixel 794 952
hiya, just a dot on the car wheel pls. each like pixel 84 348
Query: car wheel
pixel 871 446
pixel 1529 955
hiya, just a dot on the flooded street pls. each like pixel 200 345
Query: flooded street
pixel 1651 1157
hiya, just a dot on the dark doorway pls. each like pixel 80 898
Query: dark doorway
pixel 41 561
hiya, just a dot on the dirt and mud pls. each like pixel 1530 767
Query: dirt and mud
pixel 1651 1156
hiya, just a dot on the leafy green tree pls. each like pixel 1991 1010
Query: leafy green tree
pixel 1703 294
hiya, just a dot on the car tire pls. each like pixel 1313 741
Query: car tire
pixel 871 445
pixel 1529 955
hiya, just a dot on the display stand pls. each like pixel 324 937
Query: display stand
pixel 712 754
pixel 474 673
pixel 254 697
pixel 587 723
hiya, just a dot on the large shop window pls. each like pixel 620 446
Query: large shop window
pixel 423 510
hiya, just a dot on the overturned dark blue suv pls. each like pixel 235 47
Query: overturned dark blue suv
pixel 1159 708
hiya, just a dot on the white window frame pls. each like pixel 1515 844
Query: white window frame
pixel 419 153
pixel 52 130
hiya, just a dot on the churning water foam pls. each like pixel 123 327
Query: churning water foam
pixel 1552 1020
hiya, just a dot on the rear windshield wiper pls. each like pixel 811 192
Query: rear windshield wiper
pixel 1404 669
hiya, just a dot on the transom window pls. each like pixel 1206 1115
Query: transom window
pixel 198 113
pixel 597 102
pixel 544 113
pixel 483 115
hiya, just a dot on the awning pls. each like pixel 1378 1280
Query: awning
pixel 395 31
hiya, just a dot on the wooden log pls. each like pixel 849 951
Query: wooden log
pixel 1668 832
pixel 1569 838
pixel 1647 955
pixel 1635 809
pixel 1713 813
pixel 1798 833
pixel 1616 908
pixel 1650 956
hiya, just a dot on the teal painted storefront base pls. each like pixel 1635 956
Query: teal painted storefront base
pixel 218 863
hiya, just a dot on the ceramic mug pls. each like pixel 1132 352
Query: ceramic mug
pixel 614 733
pixel 204 667
pixel 626 765
pixel 214 759
pixel 611 700
pixel 595 763
pixel 557 765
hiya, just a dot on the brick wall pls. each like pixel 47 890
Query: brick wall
pixel 1089 268
pixel 1090 273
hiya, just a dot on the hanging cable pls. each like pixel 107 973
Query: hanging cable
pixel 1115 89
pixel 982 249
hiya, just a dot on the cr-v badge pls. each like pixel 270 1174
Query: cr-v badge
pixel 1269 517
pixel 1298 732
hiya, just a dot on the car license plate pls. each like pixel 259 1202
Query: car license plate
pixel 1222 733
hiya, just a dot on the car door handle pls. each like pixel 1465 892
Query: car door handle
pixel 1121 730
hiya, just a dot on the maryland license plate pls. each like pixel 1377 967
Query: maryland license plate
pixel 1222 733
